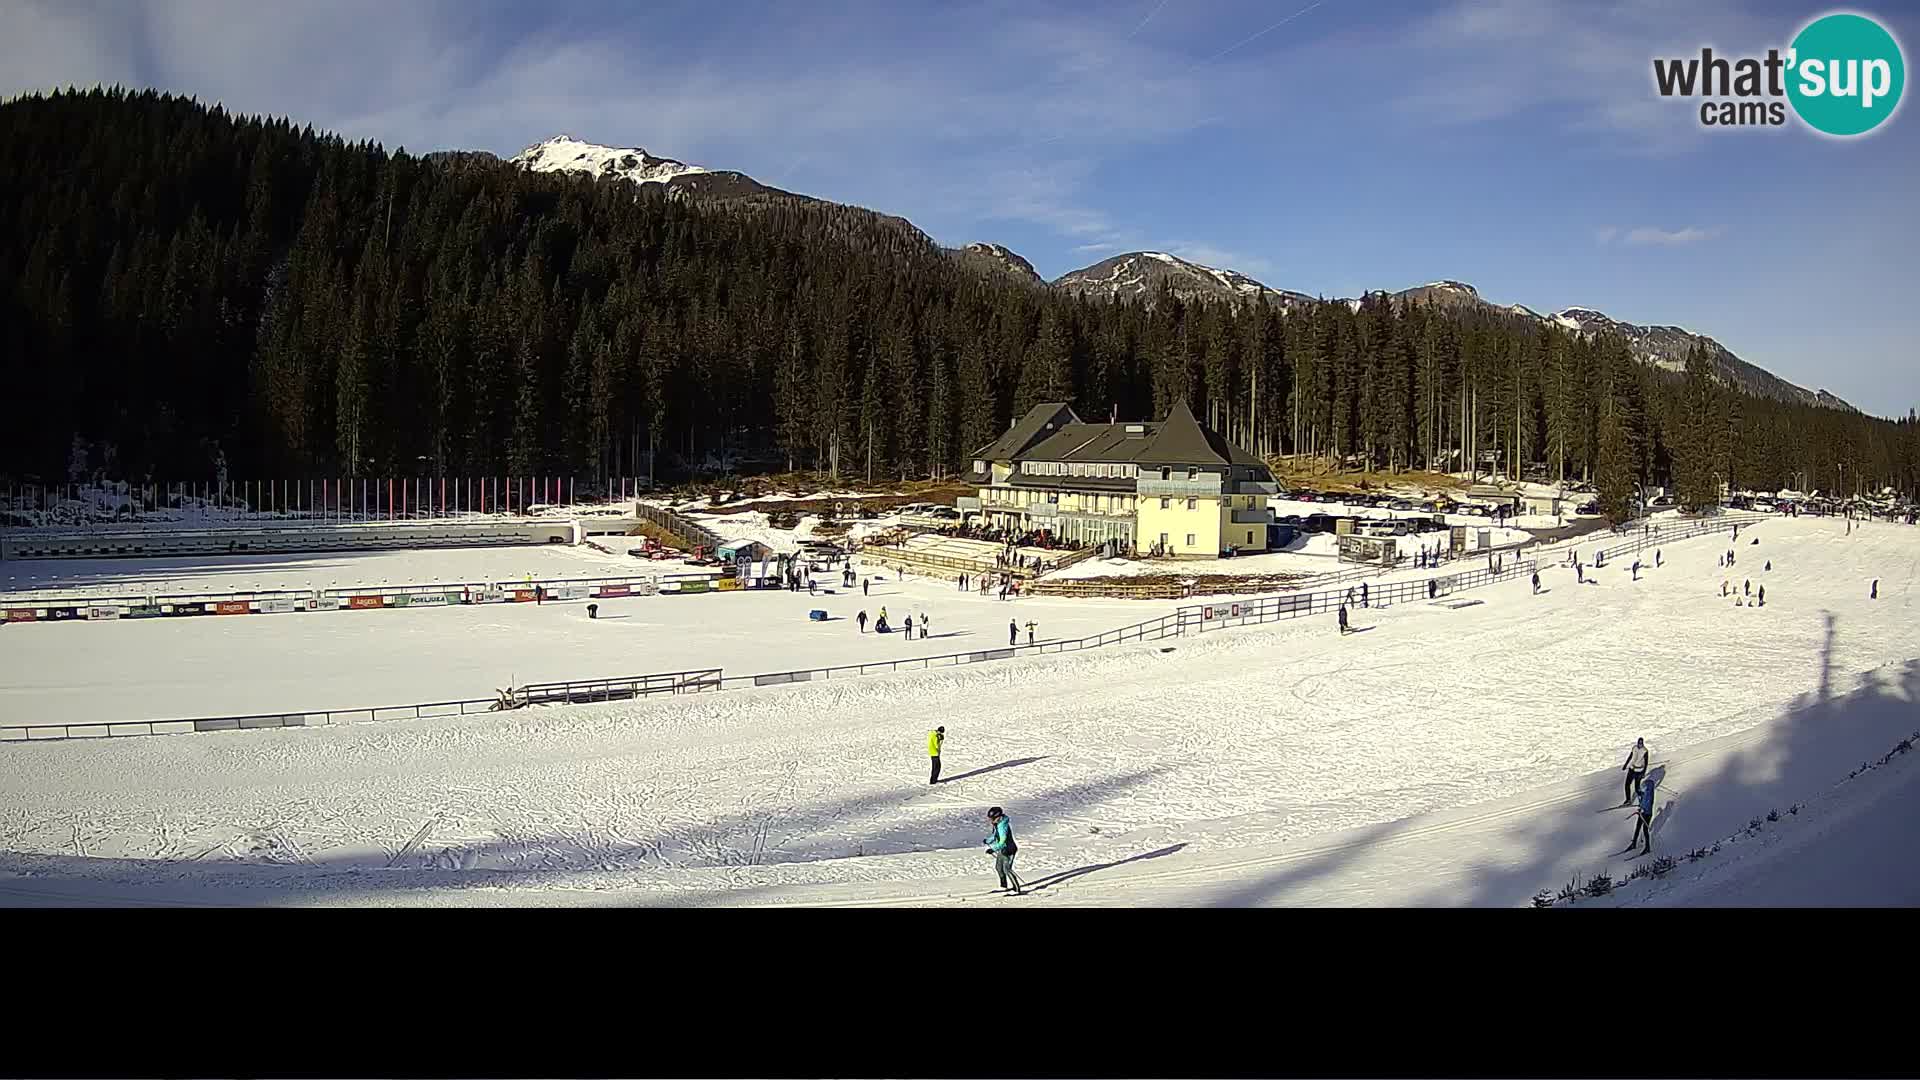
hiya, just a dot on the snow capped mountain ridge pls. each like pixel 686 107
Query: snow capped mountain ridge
pixel 1139 274
pixel 564 153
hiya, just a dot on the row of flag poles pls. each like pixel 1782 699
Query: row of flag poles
pixel 337 499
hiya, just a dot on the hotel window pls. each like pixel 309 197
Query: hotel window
pixel 1189 539
pixel 1166 472
pixel 1193 474
pixel 1192 503
pixel 1165 502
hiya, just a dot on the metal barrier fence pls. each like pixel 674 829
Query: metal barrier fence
pixel 1264 609
pixel 548 693
pixel 71 605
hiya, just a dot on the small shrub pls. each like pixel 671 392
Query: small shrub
pixel 1753 825
pixel 1570 890
pixel 1600 884
pixel 1662 865
pixel 1698 853
pixel 1543 898
pixel 1773 815
pixel 1796 808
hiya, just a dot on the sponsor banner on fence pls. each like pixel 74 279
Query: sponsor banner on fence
pixel 183 609
pixel 329 603
pixel 277 606
pixel 487 596
pixel 691 586
pixel 647 588
pixel 366 601
pixel 143 611
pixel 606 591
pixel 233 607
pixel 66 613
pixel 727 584
pixel 98 613
pixel 570 592
pixel 523 596
pixel 22 615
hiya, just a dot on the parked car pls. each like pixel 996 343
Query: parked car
pixel 1400 504
pixel 1589 507
pixel 1318 523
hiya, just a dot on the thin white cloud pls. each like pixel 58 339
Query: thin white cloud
pixel 1649 236
pixel 1605 234
pixel 1585 65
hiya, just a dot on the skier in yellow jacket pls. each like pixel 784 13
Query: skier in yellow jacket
pixel 934 739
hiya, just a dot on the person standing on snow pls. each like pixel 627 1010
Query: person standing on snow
pixel 864 584
pixel 1643 821
pixel 1763 596
pixel 1536 583
pixel 862 620
pixel 1636 769
pixel 1000 843
pixel 1363 594
pixel 923 626
pixel 1029 631
pixel 1874 593
pixel 1013 632
pixel 935 739
pixel 1343 618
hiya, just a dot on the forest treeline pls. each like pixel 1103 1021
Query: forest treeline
pixel 184 285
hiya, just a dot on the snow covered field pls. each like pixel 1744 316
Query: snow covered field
pixel 1442 755
pixel 167 668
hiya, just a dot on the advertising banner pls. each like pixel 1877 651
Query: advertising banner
pixel 233 607
pixel 98 613
pixel 366 601
pixel 143 611
pixel 329 603
pixel 647 588
pixel 692 586
pixel 276 606
pixel 488 596
pixel 523 596
pixel 611 590
pixel 21 615
pixel 570 592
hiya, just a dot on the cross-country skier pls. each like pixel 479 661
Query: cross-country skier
pixel 1723 588
pixel 1636 569
pixel 864 584
pixel 1343 618
pixel 1363 594
pixel 1746 587
pixel 1769 566
pixel 1656 558
pixel 1874 593
pixel 934 738
pixel 1013 632
pixel 1763 596
pixel 1000 843
pixel 1643 821
pixel 862 620
pixel 593 611
pixel 1636 768
pixel 1536 583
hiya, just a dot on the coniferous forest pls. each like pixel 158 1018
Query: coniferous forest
pixel 179 285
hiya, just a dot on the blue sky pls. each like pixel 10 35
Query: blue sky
pixel 1329 148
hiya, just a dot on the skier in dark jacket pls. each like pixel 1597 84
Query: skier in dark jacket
pixel 1363 594
pixel 1013 632
pixel 1643 821
pixel 1874 593
pixel 1001 844
pixel 862 620
pixel 1343 618
pixel 864 583
pixel 1763 596
pixel 1536 583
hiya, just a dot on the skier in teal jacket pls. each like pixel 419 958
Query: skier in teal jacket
pixel 1001 844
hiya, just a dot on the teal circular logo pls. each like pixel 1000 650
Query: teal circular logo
pixel 1845 74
